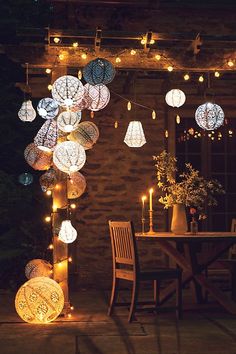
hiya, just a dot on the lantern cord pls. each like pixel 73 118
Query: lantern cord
pixel 27 74
pixel 128 100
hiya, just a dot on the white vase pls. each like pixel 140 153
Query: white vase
pixel 179 221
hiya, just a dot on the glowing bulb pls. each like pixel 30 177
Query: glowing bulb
pixel 170 68
pixel 69 315
pixel 116 124
pixel 72 308
pixel 143 41
pixel 133 52
pixel 152 41
pixel 56 40
pixel 48 71
pixel 79 74
pixel 70 259
pixel 230 63
pixel 49 193
pixel 177 119
pixel 50 247
pixel 153 114
pixel 144 197
pixel 61 56
pixel 67 233
pixel 186 77
pixel 92 114
pixel 84 56
pixel 118 59
pixel 49 87
pixel 75 44
pixel 47 218
pixel 54 207
pixel 217 74
pixel 59 264
pixel 201 78
pixel 166 133
pixel 129 106
pixel 73 206
pixel 158 57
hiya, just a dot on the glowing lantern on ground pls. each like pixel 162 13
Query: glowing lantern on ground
pixel 67 91
pixel 48 180
pixel 76 185
pixel 175 98
pixel 25 179
pixel 86 134
pixel 134 136
pixel 48 108
pixel 68 121
pixel 27 112
pixel 69 156
pixel 47 135
pixel 99 95
pixel 99 71
pixel 67 233
pixel 36 158
pixel 38 268
pixel 39 300
pixel 209 116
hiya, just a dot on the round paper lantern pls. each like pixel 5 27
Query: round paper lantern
pixel 67 91
pixel 69 156
pixel 99 94
pixel 47 135
pixel 36 158
pixel 27 112
pixel 25 179
pixel 134 136
pixel 99 71
pixel 39 300
pixel 48 108
pixel 48 180
pixel 209 116
pixel 38 268
pixel 175 98
pixel 86 134
pixel 84 103
pixel 67 233
pixel 68 121
pixel 76 185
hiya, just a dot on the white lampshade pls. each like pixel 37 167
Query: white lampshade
pixel 175 98
pixel 98 96
pixel 46 138
pixel 27 112
pixel 68 121
pixel 134 136
pixel 67 233
pixel 69 156
pixel 48 108
pixel 209 116
pixel 67 91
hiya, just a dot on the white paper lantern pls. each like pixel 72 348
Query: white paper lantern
pixel 86 134
pixel 39 300
pixel 38 268
pixel 69 156
pixel 209 116
pixel 27 112
pixel 99 95
pixel 134 136
pixel 175 98
pixel 48 108
pixel 67 91
pixel 67 233
pixel 68 121
pixel 36 158
pixel 46 138
pixel 76 185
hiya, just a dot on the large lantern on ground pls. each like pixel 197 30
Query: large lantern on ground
pixel 67 233
pixel 67 91
pixel 86 134
pixel 48 108
pixel 38 268
pixel 99 71
pixel 36 158
pixel 209 116
pixel 175 98
pixel 27 112
pixel 68 121
pixel 134 136
pixel 76 185
pixel 99 95
pixel 39 300
pixel 46 138
pixel 69 156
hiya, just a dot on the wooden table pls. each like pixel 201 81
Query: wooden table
pixel 182 250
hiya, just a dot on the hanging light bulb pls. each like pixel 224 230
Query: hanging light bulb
pixel 177 119
pixel 217 74
pixel 129 106
pixel 170 68
pixel 158 57
pixel 133 52
pixel 80 74
pixel 27 112
pixel 166 134
pixel 186 77
pixel 153 114
pixel 116 124
pixel 201 78
pixel 67 233
pixel 134 136
pixel 118 60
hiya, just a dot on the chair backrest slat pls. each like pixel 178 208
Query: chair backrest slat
pixel 232 250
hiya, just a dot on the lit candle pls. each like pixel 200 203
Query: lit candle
pixel 143 206
pixel 150 198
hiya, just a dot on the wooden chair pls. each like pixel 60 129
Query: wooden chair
pixel 232 250
pixel 126 266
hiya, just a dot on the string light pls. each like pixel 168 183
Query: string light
pixel 153 114
pixel 143 41
pixel 118 60
pixel 49 87
pixel 92 114
pixel 116 124
pixel 178 119
pixel 49 193
pixel 158 57
pixel 69 315
pixel 48 71
pixel 72 308
pixel 217 74
pixel 54 208
pixel 201 78
pixel 73 206
pixel 133 52
pixel 61 56
pixel 152 41
pixel 129 106
pixel 170 68
pixel 47 218
pixel 70 259
pixel 79 74
pixel 166 134
pixel 56 40
pixel 186 77
pixel 50 247
pixel 84 56
pixel 75 44
pixel 230 63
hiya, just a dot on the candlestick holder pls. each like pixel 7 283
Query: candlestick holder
pixel 151 231
pixel 143 225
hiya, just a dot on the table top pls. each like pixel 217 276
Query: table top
pixel 203 236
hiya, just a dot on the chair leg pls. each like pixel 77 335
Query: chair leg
pixel 114 294
pixel 156 293
pixel 179 302
pixel 133 301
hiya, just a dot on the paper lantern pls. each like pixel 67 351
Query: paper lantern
pixel 38 268
pixel 47 135
pixel 99 71
pixel 76 185
pixel 209 116
pixel 48 108
pixel 27 112
pixel 68 121
pixel 86 134
pixel 48 180
pixel 36 158
pixel 99 94
pixel 39 300
pixel 69 156
pixel 175 98
pixel 67 233
pixel 67 91
pixel 134 136
pixel 83 104
pixel 25 179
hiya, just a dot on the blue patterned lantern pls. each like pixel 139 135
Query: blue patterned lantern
pixel 99 71
pixel 48 108
pixel 25 178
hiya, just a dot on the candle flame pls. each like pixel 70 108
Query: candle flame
pixel 144 198
pixel 151 190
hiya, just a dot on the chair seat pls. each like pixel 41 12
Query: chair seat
pixel 160 273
